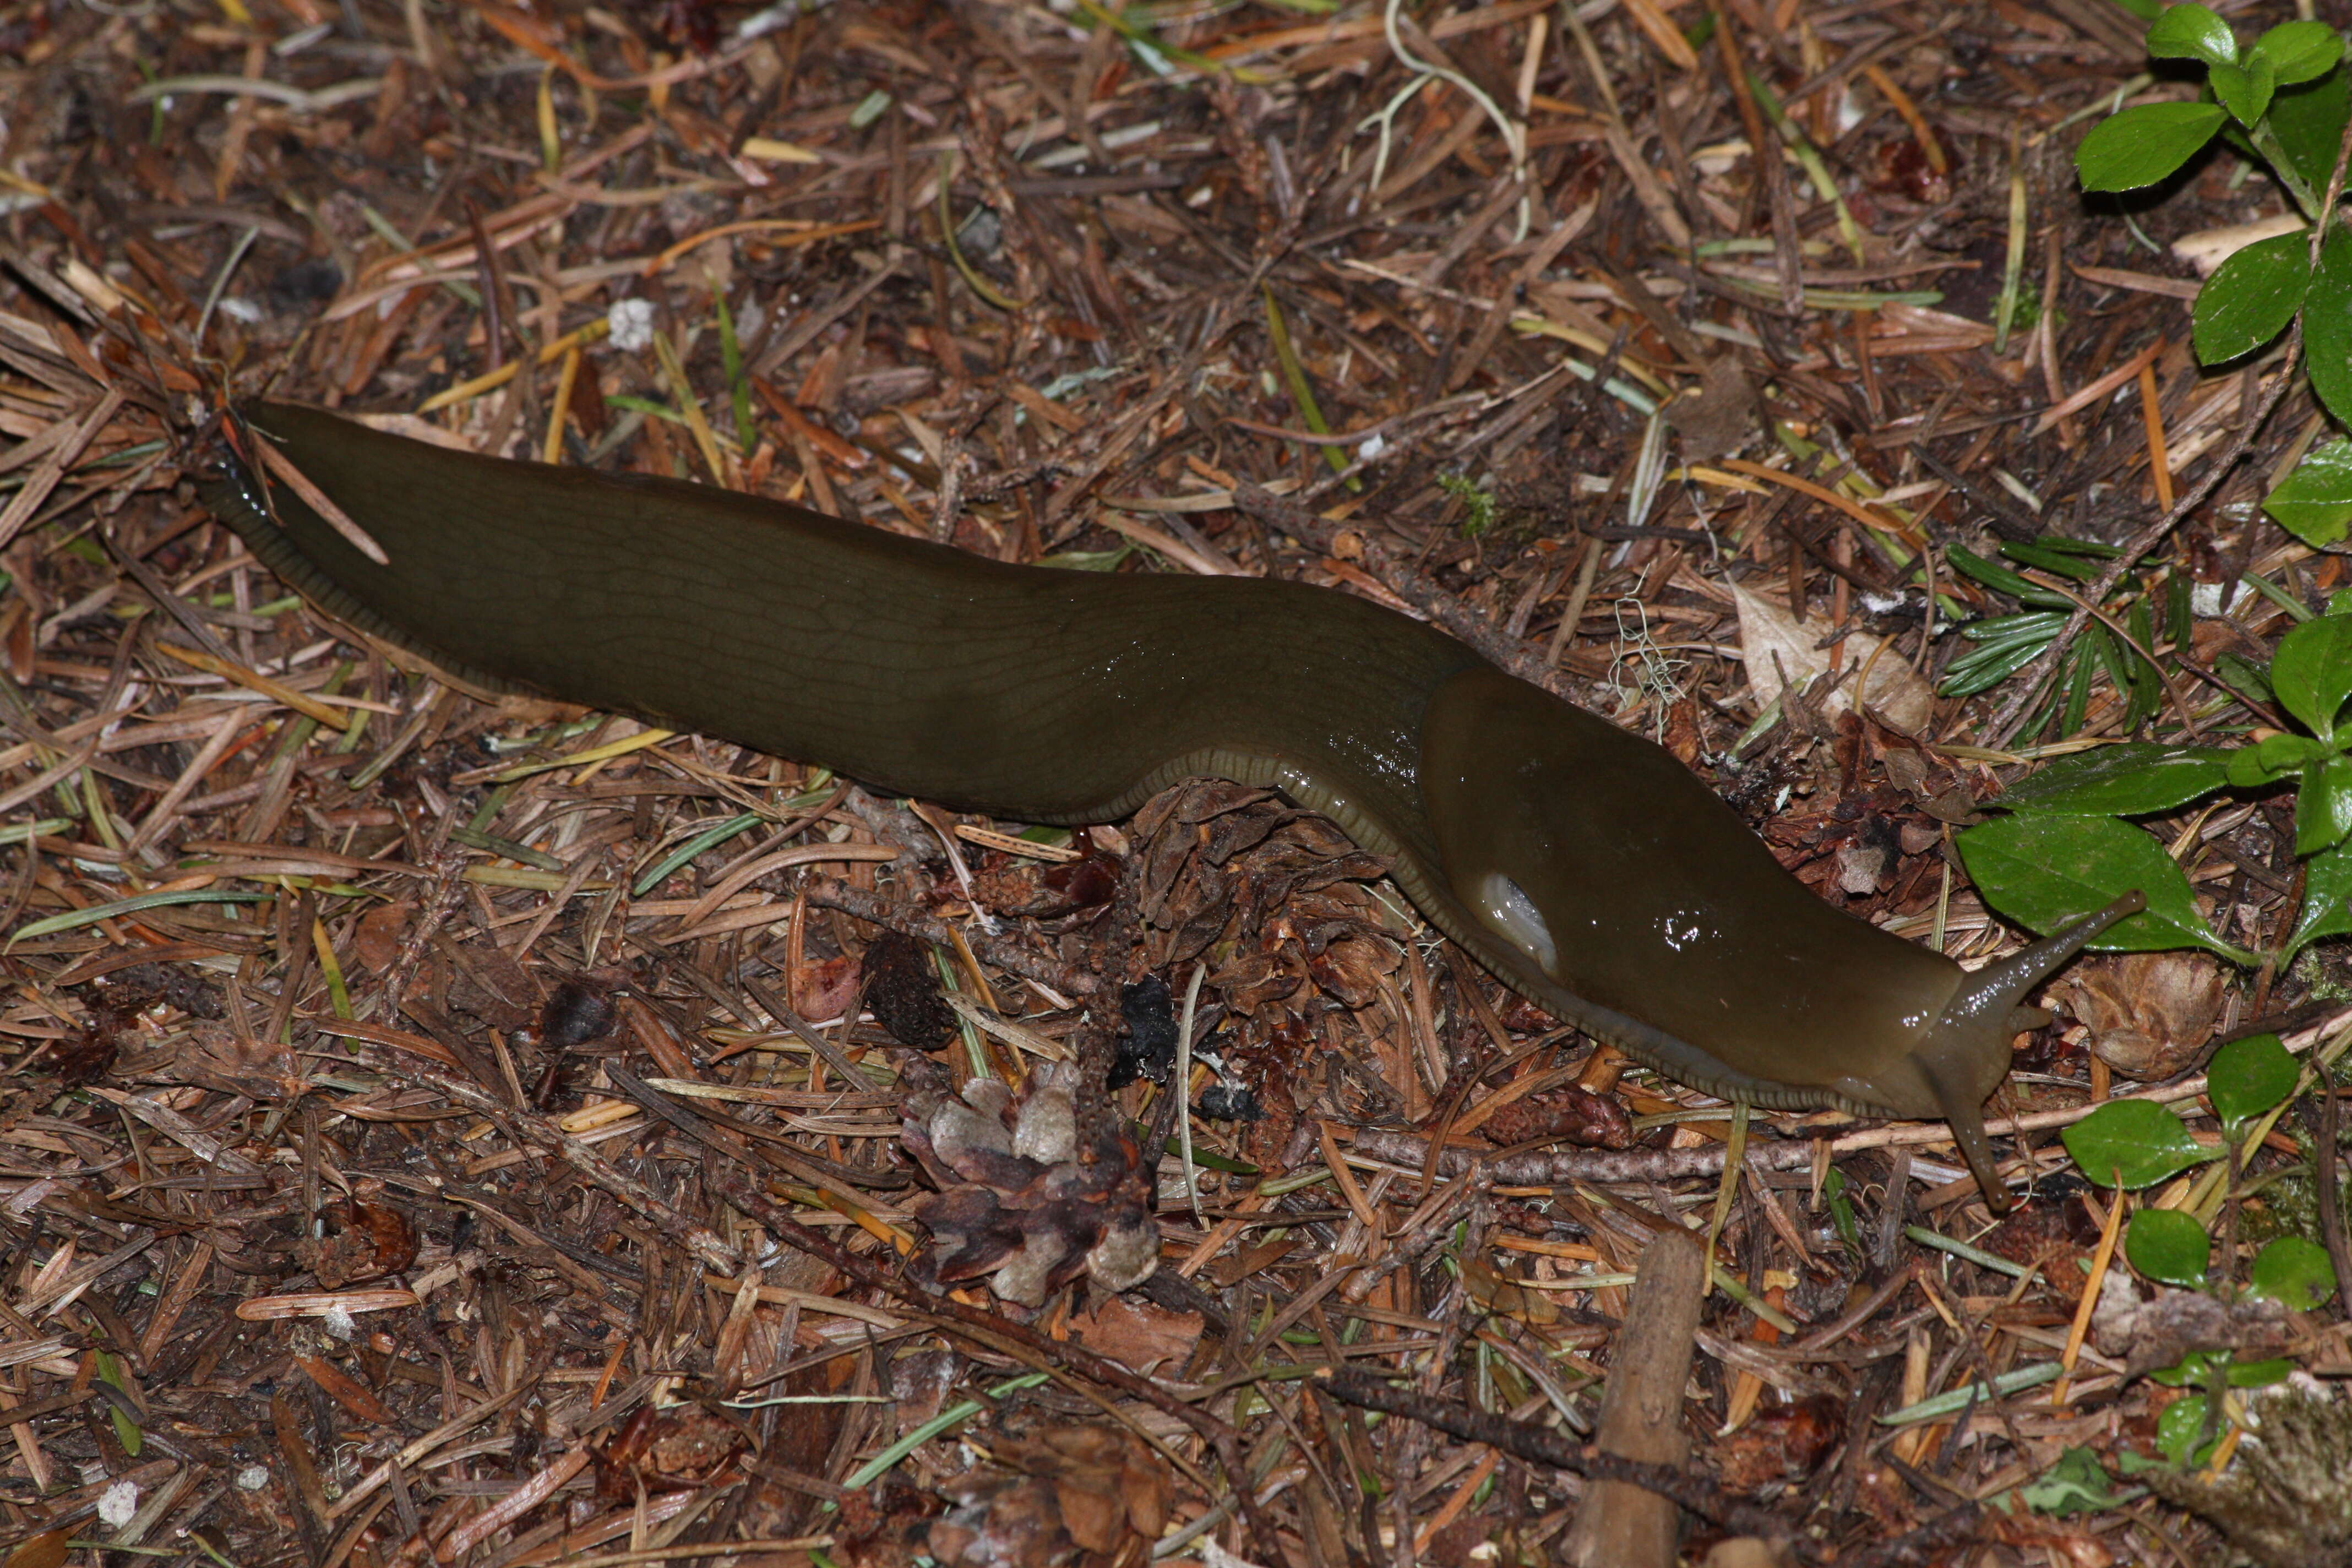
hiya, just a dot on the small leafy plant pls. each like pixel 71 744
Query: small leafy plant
pixel 2007 643
pixel 2067 845
pixel 2284 101
pixel 2133 1144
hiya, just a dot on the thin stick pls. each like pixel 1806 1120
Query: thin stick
pixel 2082 1325
pixel 2331 1217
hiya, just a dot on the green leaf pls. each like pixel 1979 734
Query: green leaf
pixel 2197 1369
pixel 2249 1077
pixel 2122 781
pixel 2005 650
pixel 2312 671
pixel 2243 675
pixel 2323 807
pixel 2178 1429
pixel 126 1430
pixel 2315 501
pixel 2075 1484
pixel 2326 900
pixel 2082 565
pixel 2045 870
pixel 2293 1271
pixel 2192 32
pixel 2251 296
pixel 2168 1246
pixel 1992 574
pixel 2328 325
pixel 2308 120
pixel 2145 10
pixel 2133 1144
pixel 2300 51
pixel 2143 145
pixel 2244 90
pixel 2271 758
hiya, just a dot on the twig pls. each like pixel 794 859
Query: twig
pixel 2331 1217
pixel 1538 1446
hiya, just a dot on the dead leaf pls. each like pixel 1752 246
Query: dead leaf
pixel 2148 1012
pixel 1782 1443
pixel 346 1390
pixel 1776 644
pixel 364 1241
pixel 1567 1114
pixel 1720 418
pixel 1139 1335
pixel 47 1549
pixel 1085 1488
pixel 2207 248
pixel 902 990
pixel 382 930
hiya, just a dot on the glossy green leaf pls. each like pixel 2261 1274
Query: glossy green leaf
pixel 2300 50
pixel 2328 325
pixel 2326 900
pixel 2143 145
pixel 2192 32
pixel 2122 781
pixel 1994 575
pixel 2133 1144
pixel 2146 685
pixel 2045 870
pixel 2006 644
pixel 2053 556
pixel 2251 296
pixel 2168 1245
pixel 2312 671
pixel 2271 758
pixel 2244 90
pixel 2293 1272
pixel 2178 1429
pixel 2249 1077
pixel 2323 806
pixel 2314 503
pixel 2308 121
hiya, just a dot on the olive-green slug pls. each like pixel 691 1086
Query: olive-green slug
pixel 1585 867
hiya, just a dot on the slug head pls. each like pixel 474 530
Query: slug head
pixel 1595 870
pixel 1592 871
pixel 1964 1057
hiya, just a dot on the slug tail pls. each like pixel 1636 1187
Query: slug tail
pixel 275 524
pixel 1965 1055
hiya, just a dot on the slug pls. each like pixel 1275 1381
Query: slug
pixel 1583 866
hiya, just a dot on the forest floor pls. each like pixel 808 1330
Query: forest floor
pixel 445 1127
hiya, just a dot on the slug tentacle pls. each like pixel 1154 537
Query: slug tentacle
pixel 1965 1055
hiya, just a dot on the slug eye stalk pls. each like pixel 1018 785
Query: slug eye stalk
pixel 1965 1055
